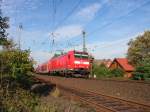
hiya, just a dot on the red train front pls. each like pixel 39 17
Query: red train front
pixel 73 63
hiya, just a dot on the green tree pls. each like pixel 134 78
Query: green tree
pixel 15 62
pixel 142 70
pixel 4 41
pixel 101 70
pixel 3 27
pixel 117 72
pixel 139 49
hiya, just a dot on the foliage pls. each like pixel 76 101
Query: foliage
pixel 14 86
pixel 142 70
pixel 101 70
pixel 3 26
pixel 56 93
pixel 139 49
pixel 17 99
pixel 15 62
pixel 117 72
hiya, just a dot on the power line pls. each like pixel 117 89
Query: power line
pixel 54 12
pixel 84 45
pixel 119 18
pixel 61 22
pixel 69 14
pixel 64 19
pixel 20 27
pixel 103 4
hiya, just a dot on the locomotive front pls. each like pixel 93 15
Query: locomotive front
pixel 81 64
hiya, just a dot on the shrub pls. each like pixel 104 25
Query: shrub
pixel 101 70
pixel 117 72
pixel 142 71
pixel 15 62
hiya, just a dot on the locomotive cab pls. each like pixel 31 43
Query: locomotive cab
pixel 79 63
pixel 72 63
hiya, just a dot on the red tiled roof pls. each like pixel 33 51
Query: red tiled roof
pixel 125 64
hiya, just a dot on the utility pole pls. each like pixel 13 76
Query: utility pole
pixel 53 42
pixel 84 46
pixel 19 36
pixel 53 38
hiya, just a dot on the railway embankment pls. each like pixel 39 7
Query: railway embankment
pixel 128 90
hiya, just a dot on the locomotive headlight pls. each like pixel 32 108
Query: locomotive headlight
pixel 86 63
pixel 77 62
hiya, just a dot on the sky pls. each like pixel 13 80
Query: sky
pixel 51 26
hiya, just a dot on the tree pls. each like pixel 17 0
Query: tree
pixel 142 70
pixel 15 62
pixel 7 44
pixel 139 49
pixel 101 70
pixel 117 72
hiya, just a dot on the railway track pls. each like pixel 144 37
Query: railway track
pixel 107 103
pixel 104 103
pixel 123 81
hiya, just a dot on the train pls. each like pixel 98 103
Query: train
pixel 70 64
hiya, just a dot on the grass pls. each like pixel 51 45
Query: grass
pixel 56 93
pixel 17 97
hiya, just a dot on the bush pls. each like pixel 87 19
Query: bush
pixel 142 71
pixel 117 72
pixel 101 70
pixel 15 62
pixel 17 99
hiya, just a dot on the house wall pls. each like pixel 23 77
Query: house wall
pixel 115 65
pixel 128 74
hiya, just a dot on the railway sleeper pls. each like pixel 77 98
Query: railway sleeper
pixel 91 96
pixel 123 107
pixel 108 102
pixel 98 98
pixel 126 108
pixel 112 104
pixel 129 110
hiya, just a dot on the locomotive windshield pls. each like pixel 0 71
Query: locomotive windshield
pixel 81 56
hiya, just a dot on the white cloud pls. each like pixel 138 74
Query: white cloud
pixel 41 56
pixel 104 50
pixel 100 50
pixel 11 6
pixel 111 49
pixel 89 12
pixel 68 32
pixel 36 39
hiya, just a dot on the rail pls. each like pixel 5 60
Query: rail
pixel 104 103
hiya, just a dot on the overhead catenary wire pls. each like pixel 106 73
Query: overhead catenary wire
pixel 62 21
pixel 69 14
pixel 102 5
pixel 54 26
pixel 116 20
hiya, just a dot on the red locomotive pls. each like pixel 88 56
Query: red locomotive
pixel 72 63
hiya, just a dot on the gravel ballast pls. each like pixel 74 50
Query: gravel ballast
pixel 137 92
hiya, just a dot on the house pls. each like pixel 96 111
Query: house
pixel 123 64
